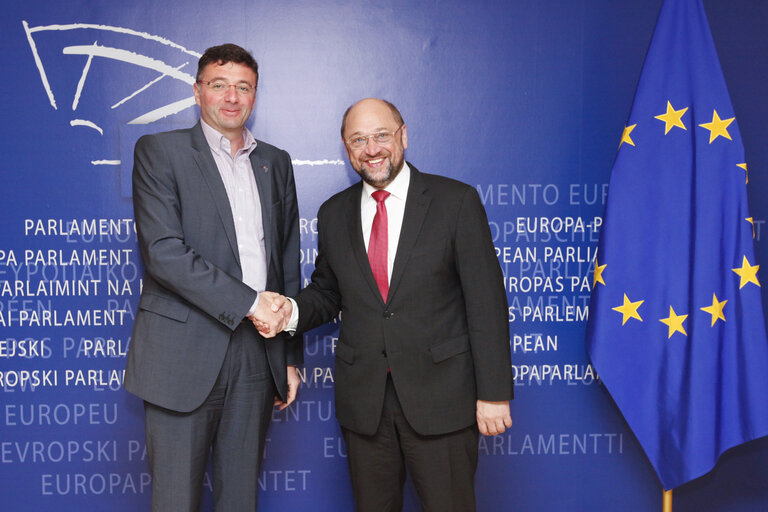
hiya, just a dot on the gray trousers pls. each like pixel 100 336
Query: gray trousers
pixel 231 425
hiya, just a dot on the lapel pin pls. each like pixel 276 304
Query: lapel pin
pixel 265 168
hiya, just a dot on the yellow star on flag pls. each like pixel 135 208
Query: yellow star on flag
pixel 716 310
pixel 718 127
pixel 629 309
pixel 751 221
pixel 625 136
pixel 598 274
pixel 747 273
pixel 746 172
pixel 672 118
pixel 674 322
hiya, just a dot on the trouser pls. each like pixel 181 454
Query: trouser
pixel 231 425
pixel 442 467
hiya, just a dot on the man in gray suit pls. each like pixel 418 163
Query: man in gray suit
pixel 217 223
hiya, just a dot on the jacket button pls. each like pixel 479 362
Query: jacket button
pixel 384 353
pixel 388 315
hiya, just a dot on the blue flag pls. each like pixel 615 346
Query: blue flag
pixel 676 328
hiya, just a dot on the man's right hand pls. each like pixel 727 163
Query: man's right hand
pixel 272 314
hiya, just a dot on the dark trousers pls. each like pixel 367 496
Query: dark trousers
pixel 231 425
pixel 442 467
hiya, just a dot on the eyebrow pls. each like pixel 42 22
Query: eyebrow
pixel 223 79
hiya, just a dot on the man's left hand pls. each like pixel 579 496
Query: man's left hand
pixel 493 417
pixel 293 387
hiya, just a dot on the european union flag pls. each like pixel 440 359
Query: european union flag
pixel 676 328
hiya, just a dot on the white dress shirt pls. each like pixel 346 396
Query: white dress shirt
pixel 243 194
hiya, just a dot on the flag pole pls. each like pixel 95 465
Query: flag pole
pixel 667 501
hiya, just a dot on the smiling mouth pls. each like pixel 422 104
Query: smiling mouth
pixel 376 162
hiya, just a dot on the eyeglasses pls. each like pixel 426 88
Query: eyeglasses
pixel 360 141
pixel 221 87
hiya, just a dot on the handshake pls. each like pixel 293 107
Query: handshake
pixel 272 315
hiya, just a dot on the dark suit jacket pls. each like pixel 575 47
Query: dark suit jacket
pixel 444 331
pixel 193 296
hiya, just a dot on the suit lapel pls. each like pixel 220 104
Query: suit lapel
pixel 210 172
pixel 416 206
pixel 263 174
pixel 355 232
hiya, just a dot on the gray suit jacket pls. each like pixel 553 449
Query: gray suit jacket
pixel 193 297
pixel 444 330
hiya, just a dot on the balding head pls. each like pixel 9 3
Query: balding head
pixel 369 102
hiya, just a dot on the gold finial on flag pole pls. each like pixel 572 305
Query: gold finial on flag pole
pixel 667 502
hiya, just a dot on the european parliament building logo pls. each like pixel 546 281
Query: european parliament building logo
pixel 150 81
pixel 676 328
pixel 91 43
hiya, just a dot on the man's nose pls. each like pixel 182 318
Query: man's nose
pixel 371 146
pixel 231 93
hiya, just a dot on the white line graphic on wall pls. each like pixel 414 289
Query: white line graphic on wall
pixel 89 124
pixel 313 163
pixel 81 26
pixel 145 87
pixel 81 83
pixel 99 49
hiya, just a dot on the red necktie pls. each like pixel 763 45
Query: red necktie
pixel 377 245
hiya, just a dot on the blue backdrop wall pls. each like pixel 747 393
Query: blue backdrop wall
pixel 524 100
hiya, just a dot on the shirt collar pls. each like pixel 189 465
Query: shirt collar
pixel 398 187
pixel 219 143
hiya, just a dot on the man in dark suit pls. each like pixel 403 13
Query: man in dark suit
pixel 423 358
pixel 217 223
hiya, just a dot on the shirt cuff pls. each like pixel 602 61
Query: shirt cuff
pixel 294 321
pixel 252 311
